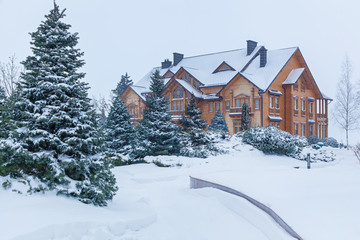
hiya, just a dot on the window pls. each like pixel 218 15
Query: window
pixel 310 130
pixel 296 129
pixel 296 104
pixel 185 77
pixel 303 86
pixel 257 104
pixel 217 105
pixel 310 107
pixel 303 129
pixel 132 109
pixel 178 106
pixel 237 103
pixel 227 106
pixel 210 107
pixel 303 105
pixel 271 102
pixel 236 127
pixel 224 68
pixel 296 87
pixel 277 106
pixel 178 92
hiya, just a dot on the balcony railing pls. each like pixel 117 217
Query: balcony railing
pixel 321 115
pixel 177 112
pixel 237 109
pixel 274 111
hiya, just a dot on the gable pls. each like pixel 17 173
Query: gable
pixel 295 69
pixel 223 67
pixel 168 74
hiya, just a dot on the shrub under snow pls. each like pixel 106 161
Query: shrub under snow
pixel 273 140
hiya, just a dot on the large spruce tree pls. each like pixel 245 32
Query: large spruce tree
pixel 57 122
pixel 156 134
pixel 118 130
pixel 192 119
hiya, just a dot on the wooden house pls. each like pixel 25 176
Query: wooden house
pixel 276 84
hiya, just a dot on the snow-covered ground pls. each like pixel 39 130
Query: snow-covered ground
pixel 157 203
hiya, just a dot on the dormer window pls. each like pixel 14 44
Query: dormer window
pixel 223 67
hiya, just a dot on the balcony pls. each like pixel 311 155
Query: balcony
pixel 237 111
pixel 274 111
pixel 177 113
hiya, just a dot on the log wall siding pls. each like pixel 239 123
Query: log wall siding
pixel 196 183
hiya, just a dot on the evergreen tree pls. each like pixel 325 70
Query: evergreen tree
pixel 245 117
pixel 118 130
pixel 4 115
pixel 124 83
pixel 192 119
pixel 156 134
pixel 57 125
pixel 218 123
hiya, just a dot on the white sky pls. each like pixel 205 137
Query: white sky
pixel 133 36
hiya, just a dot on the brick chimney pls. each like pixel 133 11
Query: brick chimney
pixel 166 64
pixel 251 45
pixel 263 56
pixel 177 58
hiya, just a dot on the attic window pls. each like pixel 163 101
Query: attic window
pixel 223 67
pixel 186 78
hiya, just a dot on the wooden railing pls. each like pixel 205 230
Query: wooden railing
pixel 321 115
pixel 296 112
pixel 199 183
pixel 275 111
pixel 177 112
pixel 237 109
pixel 303 113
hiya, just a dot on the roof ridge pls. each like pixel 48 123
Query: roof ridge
pixel 207 54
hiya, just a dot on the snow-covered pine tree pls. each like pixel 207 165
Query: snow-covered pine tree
pixel 4 115
pixel 245 117
pixel 192 119
pixel 124 83
pixel 218 123
pixel 57 122
pixel 156 134
pixel 118 130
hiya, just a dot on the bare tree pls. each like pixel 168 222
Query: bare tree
pixel 102 107
pixel 346 111
pixel 9 75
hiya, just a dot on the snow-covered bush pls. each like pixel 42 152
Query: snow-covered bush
pixel 273 140
pixel 207 148
pixel 331 142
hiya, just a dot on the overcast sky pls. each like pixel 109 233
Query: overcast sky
pixel 133 36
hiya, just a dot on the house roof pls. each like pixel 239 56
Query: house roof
pixel 202 68
pixel 293 76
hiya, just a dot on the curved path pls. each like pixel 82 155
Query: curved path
pixel 199 183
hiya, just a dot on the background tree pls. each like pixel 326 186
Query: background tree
pixel 57 123
pixel 9 76
pixel 118 130
pixel 124 83
pixel 245 117
pixel 156 134
pixel 346 109
pixel 218 123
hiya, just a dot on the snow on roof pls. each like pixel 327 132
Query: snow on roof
pixel 196 92
pixel 189 88
pixel 262 77
pixel 275 119
pixel 293 76
pixel 311 121
pixel 139 90
pixel 202 67
pixel 275 92
pixel 325 96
